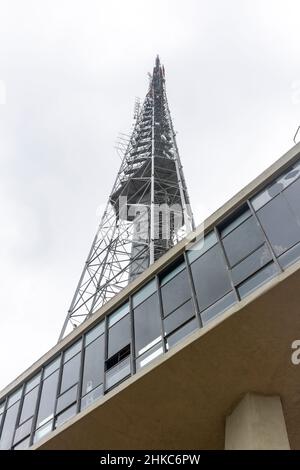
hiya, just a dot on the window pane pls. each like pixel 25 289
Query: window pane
pixel 48 396
pixel 23 444
pixel 93 368
pixel 116 358
pixel 33 382
pixel 164 278
pixel 23 430
pixel 149 356
pixel 292 194
pixel 257 280
pixel 261 199
pixel 182 333
pixel 67 399
pixel 74 349
pixel 2 406
pixel 94 333
pixel 202 245
pixel 147 324
pixel 219 307
pixel 210 277
pixel 65 415
pixel 242 241
pixel 290 256
pixel 280 224
pixel 54 365
pixel 43 431
pixel 14 397
pixel 119 335
pixel 178 317
pixel 275 188
pixel 145 292
pixel 88 399
pixel 175 292
pixel 118 373
pixel 290 175
pixel 252 263
pixel 29 404
pixel 9 427
pixel 234 221
pixel 118 314
pixel 70 374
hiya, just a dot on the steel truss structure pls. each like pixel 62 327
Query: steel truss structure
pixel 148 210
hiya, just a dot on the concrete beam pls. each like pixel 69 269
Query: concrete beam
pixel 257 423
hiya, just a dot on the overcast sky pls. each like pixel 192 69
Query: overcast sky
pixel 69 73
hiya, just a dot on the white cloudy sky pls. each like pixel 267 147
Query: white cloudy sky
pixel 70 70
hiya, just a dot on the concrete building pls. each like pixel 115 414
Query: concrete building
pixel 195 353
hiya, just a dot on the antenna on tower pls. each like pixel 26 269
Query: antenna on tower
pixel 121 144
pixel 147 212
pixel 137 108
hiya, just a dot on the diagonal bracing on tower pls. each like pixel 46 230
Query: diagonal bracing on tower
pixel 148 210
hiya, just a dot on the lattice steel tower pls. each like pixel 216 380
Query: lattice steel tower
pixel 148 210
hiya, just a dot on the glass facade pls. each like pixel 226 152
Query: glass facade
pixel 242 252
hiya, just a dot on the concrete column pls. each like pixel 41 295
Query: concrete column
pixel 257 423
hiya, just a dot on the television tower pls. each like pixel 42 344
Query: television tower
pixel 148 210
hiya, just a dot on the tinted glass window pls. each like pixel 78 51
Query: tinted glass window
pixel 67 399
pixel 210 277
pixel 143 293
pixel 33 382
pixel 149 356
pixel 178 317
pixel 116 358
pixel 70 374
pixel 23 444
pixel 292 194
pixel 118 373
pixel 242 241
pixel 94 333
pixel 147 324
pixel 74 349
pixel 201 246
pixel 118 314
pixel 93 368
pixel 23 430
pixel 289 256
pixel 275 188
pixel 65 415
pixel 29 404
pixel 172 272
pixel 9 426
pixel 48 396
pixel 90 397
pixel 14 397
pixel 175 292
pixel 119 335
pixel 279 224
pixel 218 307
pixel 187 329
pixel 252 263
pixel 257 279
pixel 234 221
pixel 43 431
pixel 54 365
